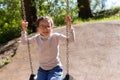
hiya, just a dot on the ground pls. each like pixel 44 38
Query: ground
pixel 95 55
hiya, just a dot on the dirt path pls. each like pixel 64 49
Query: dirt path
pixel 94 56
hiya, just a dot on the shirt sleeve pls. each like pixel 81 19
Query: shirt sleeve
pixel 25 39
pixel 71 36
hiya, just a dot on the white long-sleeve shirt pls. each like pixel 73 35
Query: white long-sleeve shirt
pixel 48 48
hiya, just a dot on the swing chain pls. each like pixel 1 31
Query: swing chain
pixel 67 42
pixel 28 45
pixel 23 9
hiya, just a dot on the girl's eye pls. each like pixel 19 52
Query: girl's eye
pixel 44 27
pixel 48 26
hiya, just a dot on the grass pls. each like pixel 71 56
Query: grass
pixel 5 62
pixel 7 59
pixel 78 20
pixel 106 15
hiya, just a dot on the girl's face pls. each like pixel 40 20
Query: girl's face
pixel 45 28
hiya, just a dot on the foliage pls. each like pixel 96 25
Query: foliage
pixel 56 9
pixel 9 20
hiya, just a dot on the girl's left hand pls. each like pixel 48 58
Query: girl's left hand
pixel 68 22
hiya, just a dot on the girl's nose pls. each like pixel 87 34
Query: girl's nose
pixel 45 29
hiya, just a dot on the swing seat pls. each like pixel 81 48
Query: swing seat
pixel 68 77
pixel 32 77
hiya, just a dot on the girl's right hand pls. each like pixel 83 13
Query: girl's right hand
pixel 24 25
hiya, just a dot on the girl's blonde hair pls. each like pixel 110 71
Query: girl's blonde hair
pixel 44 18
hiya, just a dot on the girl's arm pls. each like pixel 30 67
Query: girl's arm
pixel 71 36
pixel 24 37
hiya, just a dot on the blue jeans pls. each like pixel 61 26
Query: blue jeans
pixel 53 74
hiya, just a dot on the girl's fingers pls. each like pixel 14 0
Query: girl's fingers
pixel 24 25
pixel 68 21
pixel 68 18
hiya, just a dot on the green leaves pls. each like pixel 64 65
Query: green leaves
pixel 56 9
pixel 10 15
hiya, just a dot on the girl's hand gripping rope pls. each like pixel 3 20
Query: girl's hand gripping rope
pixel 68 22
pixel 24 25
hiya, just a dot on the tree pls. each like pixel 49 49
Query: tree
pixel 84 9
pixel 31 14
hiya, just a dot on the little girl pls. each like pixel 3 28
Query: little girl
pixel 48 47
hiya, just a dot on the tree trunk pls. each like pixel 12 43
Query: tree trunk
pixel 31 14
pixel 84 9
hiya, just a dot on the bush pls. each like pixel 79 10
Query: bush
pixel 10 14
pixel 9 32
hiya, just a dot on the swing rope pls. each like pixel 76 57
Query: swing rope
pixel 67 42
pixel 28 45
pixel 67 76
